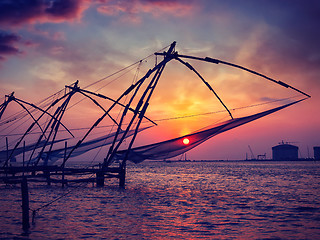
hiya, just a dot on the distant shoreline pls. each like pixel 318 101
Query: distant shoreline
pixel 243 160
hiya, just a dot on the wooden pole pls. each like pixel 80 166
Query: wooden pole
pixel 63 164
pixel 7 151
pixel 100 178
pixel 92 181
pixel 122 175
pixel 47 174
pixel 25 205
pixel 24 149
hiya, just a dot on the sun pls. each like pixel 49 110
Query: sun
pixel 186 141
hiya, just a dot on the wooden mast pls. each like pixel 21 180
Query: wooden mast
pixel 139 113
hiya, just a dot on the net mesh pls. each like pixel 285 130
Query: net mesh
pixel 174 147
pixel 86 146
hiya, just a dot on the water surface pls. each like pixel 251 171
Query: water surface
pixel 177 200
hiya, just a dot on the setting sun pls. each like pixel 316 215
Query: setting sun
pixel 185 141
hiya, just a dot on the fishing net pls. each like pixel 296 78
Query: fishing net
pixel 19 150
pixel 57 154
pixel 174 147
pixel 86 146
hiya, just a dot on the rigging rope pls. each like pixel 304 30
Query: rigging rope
pixel 15 116
pixel 137 62
pixel 113 125
pixel 20 114
pixel 115 73
pixel 100 88
pixel 34 211
pixel 220 111
pixel 172 118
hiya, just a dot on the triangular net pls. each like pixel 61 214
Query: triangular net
pixel 177 146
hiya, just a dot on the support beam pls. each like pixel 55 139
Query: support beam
pixel 100 179
pixel 25 205
pixel 122 175
pixel 47 176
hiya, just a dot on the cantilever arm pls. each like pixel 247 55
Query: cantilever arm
pixel 217 61
pixel 96 103
pixel 44 111
pixel 110 99
pixel 206 83
pixel 35 120
pixel 104 115
pixel 3 107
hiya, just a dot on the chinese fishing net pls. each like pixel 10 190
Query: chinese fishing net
pixel 177 146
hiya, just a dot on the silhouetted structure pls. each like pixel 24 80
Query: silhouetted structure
pixel 316 151
pixel 126 115
pixel 285 151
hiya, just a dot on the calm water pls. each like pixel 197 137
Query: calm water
pixel 192 200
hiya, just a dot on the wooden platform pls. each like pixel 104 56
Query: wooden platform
pixel 57 174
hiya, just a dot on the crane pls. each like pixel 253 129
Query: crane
pixel 252 155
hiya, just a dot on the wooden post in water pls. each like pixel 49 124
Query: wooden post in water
pixel 25 205
pixel 63 164
pixel 23 156
pixel 92 181
pixel 122 175
pixel 7 145
pixel 100 177
pixel 47 175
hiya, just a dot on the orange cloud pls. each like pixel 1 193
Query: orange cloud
pixel 156 8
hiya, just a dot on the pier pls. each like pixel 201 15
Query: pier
pixel 57 174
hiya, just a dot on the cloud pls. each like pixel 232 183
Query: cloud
pixel 156 8
pixel 7 44
pixel 278 40
pixel 15 13
pixel 289 58
pixel 63 8
pixel 20 13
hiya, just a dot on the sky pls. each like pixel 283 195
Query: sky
pixel 47 44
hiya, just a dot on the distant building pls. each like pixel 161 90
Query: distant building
pixel 316 151
pixel 285 151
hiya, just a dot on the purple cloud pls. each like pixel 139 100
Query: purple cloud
pixel 29 11
pixel 16 12
pixel 63 8
pixel 7 44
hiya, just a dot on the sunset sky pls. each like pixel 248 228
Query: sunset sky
pixel 47 44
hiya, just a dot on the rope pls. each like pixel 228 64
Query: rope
pixel 137 62
pixel 20 114
pixel 220 111
pixel 17 115
pixel 34 211
pixel 115 73
pixel 99 88
pixel 171 118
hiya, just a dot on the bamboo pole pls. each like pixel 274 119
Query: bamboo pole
pixel 25 205
pixel 63 165
pixel 7 145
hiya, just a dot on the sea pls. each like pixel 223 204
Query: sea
pixel 175 200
